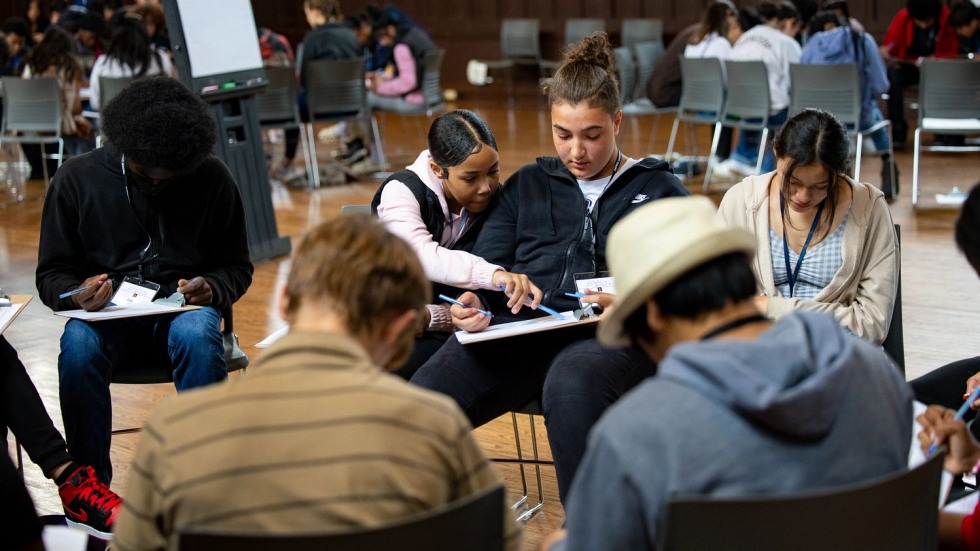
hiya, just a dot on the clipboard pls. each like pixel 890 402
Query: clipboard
pixel 125 311
pixel 9 313
pixel 525 327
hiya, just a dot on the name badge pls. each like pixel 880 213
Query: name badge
pixel 133 292
pixel 600 282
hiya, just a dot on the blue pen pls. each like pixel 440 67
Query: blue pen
pixel 542 307
pixel 486 313
pixel 959 414
pixel 576 295
pixel 75 292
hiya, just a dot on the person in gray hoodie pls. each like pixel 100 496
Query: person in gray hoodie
pixel 741 405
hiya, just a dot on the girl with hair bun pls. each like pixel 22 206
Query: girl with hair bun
pixel 825 242
pixel 551 222
pixel 437 204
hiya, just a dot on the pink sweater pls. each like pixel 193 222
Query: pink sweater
pixel 406 81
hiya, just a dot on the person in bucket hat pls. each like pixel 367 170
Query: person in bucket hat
pixel 741 404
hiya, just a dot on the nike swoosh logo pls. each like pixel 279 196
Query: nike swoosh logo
pixel 80 515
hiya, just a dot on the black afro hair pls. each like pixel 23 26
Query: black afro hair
pixel 159 123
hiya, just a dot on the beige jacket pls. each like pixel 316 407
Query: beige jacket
pixel 862 292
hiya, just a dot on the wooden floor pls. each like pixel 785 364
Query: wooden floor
pixel 941 300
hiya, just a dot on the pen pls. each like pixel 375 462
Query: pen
pixel 575 295
pixel 541 307
pixel 75 292
pixel 972 397
pixel 486 313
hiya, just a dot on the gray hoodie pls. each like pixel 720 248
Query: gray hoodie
pixel 803 407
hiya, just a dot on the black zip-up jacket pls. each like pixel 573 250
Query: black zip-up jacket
pixel 537 226
pixel 195 227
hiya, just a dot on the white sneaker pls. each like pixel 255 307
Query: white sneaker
pixel 739 167
pixel 723 170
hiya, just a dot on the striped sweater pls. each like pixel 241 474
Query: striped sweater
pixel 314 438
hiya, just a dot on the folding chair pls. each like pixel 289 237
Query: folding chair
pixel 835 88
pixel 474 523
pixel 746 107
pixel 636 30
pixel 949 103
pixel 277 107
pixel 335 91
pixel 520 44
pixel 575 30
pixel 32 114
pixel 109 87
pixel 702 101
pixel 531 409
pixel 647 55
pixel 898 512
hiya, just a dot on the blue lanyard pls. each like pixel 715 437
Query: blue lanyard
pixel 793 274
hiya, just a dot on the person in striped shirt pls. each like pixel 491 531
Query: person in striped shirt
pixel 316 437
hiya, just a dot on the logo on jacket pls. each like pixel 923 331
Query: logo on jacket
pixel 640 198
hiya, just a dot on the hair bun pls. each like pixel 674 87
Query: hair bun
pixel 594 50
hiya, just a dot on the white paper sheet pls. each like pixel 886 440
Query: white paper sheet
pixel 273 337
pixel 8 313
pixel 125 311
pixel 512 329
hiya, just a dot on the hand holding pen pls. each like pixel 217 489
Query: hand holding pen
pixel 518 288
pixel 940 426
pixel 93 294
pixel 468 313
pixel 535 303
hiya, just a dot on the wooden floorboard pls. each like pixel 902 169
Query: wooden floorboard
pixel 941 300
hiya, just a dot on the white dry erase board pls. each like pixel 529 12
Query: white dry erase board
pixel 215 46
pixel 220 36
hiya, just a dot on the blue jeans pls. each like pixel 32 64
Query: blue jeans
pixel 584 380
pixel 880 136
pixel 747 150
pixel 190 343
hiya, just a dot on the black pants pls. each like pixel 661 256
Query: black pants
pixel 23 412
pixel 945 386
pixel 900 77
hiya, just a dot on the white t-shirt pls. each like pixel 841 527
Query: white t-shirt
pixel 111 67
pixel 777 50
pixel 712 45
pixel 592 190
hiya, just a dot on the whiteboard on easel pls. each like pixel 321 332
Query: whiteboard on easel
pixel 220 36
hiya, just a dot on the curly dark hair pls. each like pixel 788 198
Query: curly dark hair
pixel 159 123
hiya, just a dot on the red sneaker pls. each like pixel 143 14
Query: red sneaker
pixel 89 504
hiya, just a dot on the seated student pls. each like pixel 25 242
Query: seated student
pixel 15 33
pixel 437 204
pixel 89 504
pixel 947 385
pixel 129 54
pixel 350 446
pixel 772 43
pixel 53 57
pixel 841 9
pixel 152 213
pixel 550 223
pixel 741 405
pixel 939 426
pixel 401 89
pixel 965 18
pixel 714 38
pixel 831 42
pixel 824 242
pixel 920 29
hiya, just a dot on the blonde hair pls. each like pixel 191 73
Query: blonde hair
pixel 587 73
pixel 362 272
